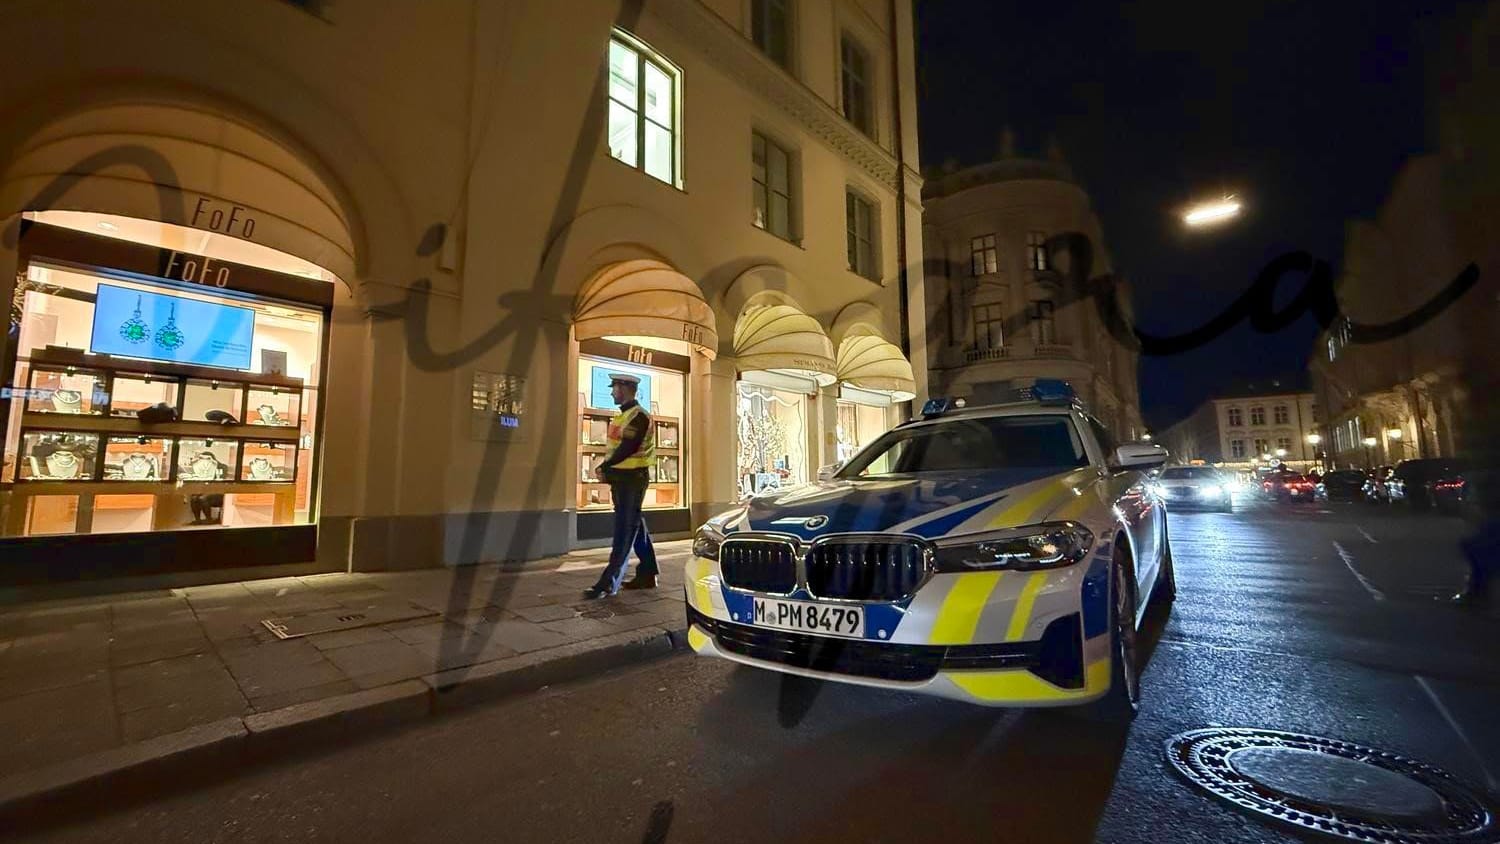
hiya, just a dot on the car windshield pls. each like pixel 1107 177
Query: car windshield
pixel 958 445
pixel 1200 473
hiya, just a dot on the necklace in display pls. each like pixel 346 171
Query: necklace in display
pixel 169 336
pixel 67 401
pixel 260 469
pixel 135 330
pixel 203 468
pixel 62 465
pixel 269 416
pixel 138 467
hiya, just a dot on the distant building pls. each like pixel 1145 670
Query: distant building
pixel 1255 423
pixel 999 310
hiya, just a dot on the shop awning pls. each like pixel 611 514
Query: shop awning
pixel 780 338
pixel 645 298
pixel 871 362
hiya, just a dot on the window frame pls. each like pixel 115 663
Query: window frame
pixel 853 199
pixel 1235 417
pixel 760 19
pixel 1237 448
pixel 1280 415
pixel 645 56
pixel 1035 311
pixel 865 79
pixel 984 255
pixel 1036 252
pixel 994 316
pixel 1284 444
pixel 1257 416
pixel 793 234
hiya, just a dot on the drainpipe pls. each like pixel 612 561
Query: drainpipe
pixel 900 182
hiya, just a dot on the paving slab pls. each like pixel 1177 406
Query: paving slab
pixel 56 724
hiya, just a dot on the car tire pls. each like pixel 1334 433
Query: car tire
pixel 1123 700
pixel 1164 591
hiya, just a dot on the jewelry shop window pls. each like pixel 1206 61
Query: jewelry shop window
pixel 147 404
pixel 662 393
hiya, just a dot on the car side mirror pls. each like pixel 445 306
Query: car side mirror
pixel 1139 456
pixel 826 473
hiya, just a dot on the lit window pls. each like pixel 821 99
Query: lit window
pixel 860 218
pixel 1043 328
pixel 771 184
pixel 643 108
pixel 856 85
pixel 1257 416
pixel 1236 417
pixel 989 326
pixel 1279 414
pixel 985 258
pixel 770 28
pixel 1036 251
pixel 1237 448
pixel 1333 350
pixel 1284 444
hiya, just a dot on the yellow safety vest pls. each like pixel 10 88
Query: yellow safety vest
pixel 645 456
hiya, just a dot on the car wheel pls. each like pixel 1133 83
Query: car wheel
pixel 1165 589
pixel 1120 704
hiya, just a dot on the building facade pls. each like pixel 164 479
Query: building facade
pixel 377 299
pixel 1253 425
pixel 1002 307
pixel 1428 390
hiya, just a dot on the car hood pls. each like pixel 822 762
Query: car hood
pixel 928 505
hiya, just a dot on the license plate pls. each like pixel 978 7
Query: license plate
pixel 802 616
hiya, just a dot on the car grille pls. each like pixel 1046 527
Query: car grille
pixel 759 565
pixel 866 570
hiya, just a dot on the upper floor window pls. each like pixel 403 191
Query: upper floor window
pixel 1236 448
pixel 1263 447
pixel 771 29
pixel 1043 328
pixel 985 258
pixel 1257 416
pixel 860 219
pixel 1036 251
pixel 989 325
pixel 1279 414
pixel 1236 417
pixel 855 75
pixel 1333 350
pixel 644 106
pixel 1284 444
pixel 771 183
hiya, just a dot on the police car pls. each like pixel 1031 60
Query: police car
pixel 1001 555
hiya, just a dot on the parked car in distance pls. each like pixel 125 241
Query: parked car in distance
pixel 1377 487
pixel 1298 488
pixel 1412 480
pixel 1273 483
pixel 1189 487
pixel 1343 485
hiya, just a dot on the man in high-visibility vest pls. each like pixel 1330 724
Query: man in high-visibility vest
pixel 627 470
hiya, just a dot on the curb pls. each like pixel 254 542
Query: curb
pixel 265 735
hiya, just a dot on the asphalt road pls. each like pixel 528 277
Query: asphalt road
pixel 1308 618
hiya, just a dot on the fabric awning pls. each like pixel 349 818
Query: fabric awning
pixel 871 362
pixel 780 338
pixel 645 298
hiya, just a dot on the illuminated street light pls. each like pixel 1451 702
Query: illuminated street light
pixel 1209 213
pixel 1370 442
pixel 1280 452
pixel 1314 439
pixel 1146 437
pixel 1394 433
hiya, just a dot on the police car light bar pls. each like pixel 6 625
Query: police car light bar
pixel 936 407
pixel 1052 391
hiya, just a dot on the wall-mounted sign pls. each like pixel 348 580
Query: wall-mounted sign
pixel 198 269
pixel 222 217
pixel 136 323
pixel 496 405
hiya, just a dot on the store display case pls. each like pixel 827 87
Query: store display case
pixel 274 406
pixel 207 459
pixel 268 462
pixel 133 392
pixel 140 459
pixel 57 456
pixel 213 400
pixel 67 390
pixel 666 435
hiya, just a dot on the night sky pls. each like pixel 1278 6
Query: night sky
pixel 1305 110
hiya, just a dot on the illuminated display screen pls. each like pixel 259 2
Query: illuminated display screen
pixel 141 324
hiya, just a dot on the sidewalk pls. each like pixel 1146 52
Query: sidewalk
pixel 84 676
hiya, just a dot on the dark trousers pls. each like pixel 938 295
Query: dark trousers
pixel 628 488
pixel 1483 551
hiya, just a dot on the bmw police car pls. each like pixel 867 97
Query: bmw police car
pixel 1001 555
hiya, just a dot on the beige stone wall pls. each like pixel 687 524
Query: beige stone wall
pixel 486 118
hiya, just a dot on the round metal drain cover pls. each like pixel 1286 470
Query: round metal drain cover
pixel 598 614
pixel 1333 787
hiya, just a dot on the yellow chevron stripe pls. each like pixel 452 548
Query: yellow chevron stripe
pixel 959 615
pixel 1025 687
pixel 702 601
pixel 696 638
pixel 1019 511
pixel 1022 615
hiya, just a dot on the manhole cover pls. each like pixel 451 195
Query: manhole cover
pixel 1333 787
pixel 597 614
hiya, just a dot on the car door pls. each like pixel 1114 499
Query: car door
pixel 1139 508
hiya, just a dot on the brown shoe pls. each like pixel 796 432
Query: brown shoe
pixel 640 581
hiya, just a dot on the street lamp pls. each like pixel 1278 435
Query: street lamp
pixel 1314 439
pixel 1394 433
pixel 1211 213
pixel 1146 437
pixel 1370 443
pixel 1281 452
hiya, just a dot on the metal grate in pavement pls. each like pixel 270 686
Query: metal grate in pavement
pixel 1335 788
pixel 349 618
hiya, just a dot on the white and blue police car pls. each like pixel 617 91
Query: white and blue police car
pixel 1002 555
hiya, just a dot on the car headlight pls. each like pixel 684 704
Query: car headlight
pixel 706 543
pixel 1035 547
pixel 1213 490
